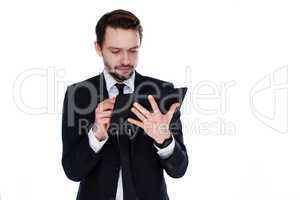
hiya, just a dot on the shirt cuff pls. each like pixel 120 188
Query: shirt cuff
pixel 166 152
pixel 94 143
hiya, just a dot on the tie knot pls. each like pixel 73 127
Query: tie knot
pixel 120 87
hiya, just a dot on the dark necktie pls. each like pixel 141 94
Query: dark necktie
pixel 124 145
pixel 120 87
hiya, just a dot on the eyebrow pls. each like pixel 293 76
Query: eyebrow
pixel 135 47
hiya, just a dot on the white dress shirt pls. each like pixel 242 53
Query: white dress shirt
pixel 96 145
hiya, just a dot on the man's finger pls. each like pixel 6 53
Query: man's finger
pixel 105 114
pixel 135 122
pixel 105 105
pixel 140 108
pixel 102 119
pixel 153 103
pixel 172 109
pixel 138 114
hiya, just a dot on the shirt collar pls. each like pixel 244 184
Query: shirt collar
pixel 110 81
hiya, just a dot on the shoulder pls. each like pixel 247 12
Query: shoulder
pixel 84 92
pixel 90 82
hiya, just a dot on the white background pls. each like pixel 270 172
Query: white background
pixel 240 60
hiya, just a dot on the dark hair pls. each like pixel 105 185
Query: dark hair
pixel 117 19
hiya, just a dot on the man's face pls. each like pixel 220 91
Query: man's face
pixel 120 52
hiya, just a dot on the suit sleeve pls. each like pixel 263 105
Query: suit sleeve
pixel 176 164
pixel 78 158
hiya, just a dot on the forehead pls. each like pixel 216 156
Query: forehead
pixel 121 38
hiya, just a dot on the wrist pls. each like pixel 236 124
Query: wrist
pixel 100 138
pixel 164 143
pixel 164 136
pixel 96 131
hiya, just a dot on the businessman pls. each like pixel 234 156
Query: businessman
pixel 113 163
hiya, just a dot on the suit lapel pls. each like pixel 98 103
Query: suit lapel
pixel 102 88
pixel 138 80
pixel 102 92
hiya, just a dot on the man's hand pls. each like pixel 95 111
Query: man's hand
pixel 155 124
pixel 103 115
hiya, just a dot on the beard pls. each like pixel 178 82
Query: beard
pixel 119 77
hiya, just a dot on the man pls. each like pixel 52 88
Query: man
pixel 120 167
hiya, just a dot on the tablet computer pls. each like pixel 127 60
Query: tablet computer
pixel 164 100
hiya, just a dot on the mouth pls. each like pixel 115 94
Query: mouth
pixel 124 70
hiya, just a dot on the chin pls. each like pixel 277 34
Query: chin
pixel 122 77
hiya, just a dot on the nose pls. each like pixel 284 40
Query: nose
pixel 125 59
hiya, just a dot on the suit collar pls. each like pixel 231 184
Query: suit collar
pixel 110 81
pixel 138 80
pixel 102 86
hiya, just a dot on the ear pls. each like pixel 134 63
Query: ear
pixel 98 48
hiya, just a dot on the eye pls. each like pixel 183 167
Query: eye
pixel 115 52
pixel 133 51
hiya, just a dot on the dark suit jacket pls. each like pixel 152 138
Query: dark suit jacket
pixel 98 172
